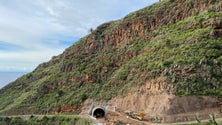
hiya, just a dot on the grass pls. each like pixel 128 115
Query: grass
pixel 19 100
pixel 49 120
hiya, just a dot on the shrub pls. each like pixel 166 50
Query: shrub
pixel 83 122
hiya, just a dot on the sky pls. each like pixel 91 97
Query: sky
pixel 7 77
pixel 32 31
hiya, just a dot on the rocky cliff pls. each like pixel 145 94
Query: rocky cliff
pixel 171 48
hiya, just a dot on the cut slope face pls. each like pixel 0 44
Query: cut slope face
pixel 170 48
pixel 169 108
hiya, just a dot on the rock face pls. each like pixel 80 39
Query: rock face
pixel 169 108
pixel 164 51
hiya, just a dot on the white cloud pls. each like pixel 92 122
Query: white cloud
pixel 40 27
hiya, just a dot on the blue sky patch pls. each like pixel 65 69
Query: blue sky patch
pixel 4 46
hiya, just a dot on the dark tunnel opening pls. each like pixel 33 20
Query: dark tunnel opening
pixel 99 113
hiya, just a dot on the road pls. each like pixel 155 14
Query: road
pixel 191 122
pixel 94 120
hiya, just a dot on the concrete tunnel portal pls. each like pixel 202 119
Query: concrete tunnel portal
pixel 98 112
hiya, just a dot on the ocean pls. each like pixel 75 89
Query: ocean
pixel 7 77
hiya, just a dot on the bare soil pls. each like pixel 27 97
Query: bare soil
pixel 152 100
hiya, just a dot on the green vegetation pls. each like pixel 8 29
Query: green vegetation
pixel 212 121
pixel 183 48
pixel 45 120
pixel 205 123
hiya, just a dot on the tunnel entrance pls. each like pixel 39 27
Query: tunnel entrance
pixel 98 113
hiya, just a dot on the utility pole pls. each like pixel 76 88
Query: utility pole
pixel 47 109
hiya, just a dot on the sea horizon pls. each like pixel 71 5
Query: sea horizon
pixel 7 77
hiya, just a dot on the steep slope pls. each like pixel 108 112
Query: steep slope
pixel 170 48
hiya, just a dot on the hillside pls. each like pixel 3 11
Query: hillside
pixel 168 51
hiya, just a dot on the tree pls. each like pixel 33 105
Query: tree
pixel 91 30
